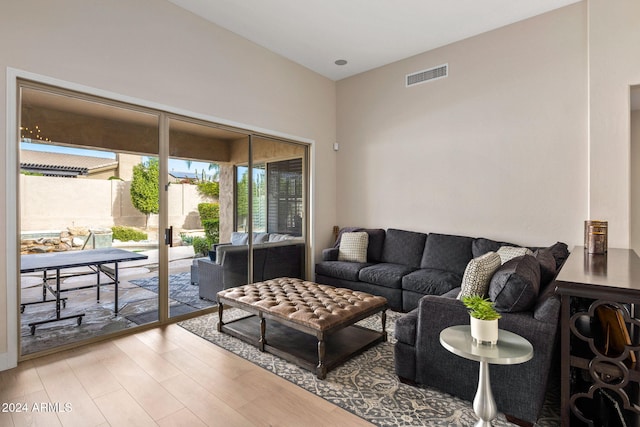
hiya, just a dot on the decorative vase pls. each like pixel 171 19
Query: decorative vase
pixel 484 331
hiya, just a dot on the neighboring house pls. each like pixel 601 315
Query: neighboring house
pixel 67 165
pixel 75 166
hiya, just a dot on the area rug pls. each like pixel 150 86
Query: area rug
pixel 366 385
pixel 180 289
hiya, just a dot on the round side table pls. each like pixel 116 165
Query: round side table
pixel 510 349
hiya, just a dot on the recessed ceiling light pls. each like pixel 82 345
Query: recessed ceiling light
pixel 341 62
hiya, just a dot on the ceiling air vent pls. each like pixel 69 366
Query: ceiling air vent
pixel 435 73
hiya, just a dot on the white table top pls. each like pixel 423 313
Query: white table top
pixel 510 349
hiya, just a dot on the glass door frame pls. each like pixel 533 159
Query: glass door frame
pixel 17 77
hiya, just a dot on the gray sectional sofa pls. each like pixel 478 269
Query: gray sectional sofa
pixel 402 266
pixel 421 274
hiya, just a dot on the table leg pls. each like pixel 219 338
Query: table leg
pixel 116 281
pixel 98 270
pixel 78 317
pixel 484 404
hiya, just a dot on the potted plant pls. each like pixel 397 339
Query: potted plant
pixel 484 319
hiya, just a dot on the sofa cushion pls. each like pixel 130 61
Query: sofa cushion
pixel 560 252
pixel 478 274
pixel 447 252
pixel 481 246
pixel 341 269
pixel 385 274
pixel 547 265
pixel 376 244
pixel 353 247
pixel 515 286
pixel 431 281
pixel 509 252
pixel 403 247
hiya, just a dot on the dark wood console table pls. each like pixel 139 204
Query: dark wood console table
pixel 597 380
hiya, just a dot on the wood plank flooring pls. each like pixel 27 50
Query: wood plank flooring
pixel 161 377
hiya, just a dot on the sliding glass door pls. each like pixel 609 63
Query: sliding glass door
pixel 199 206
pixel 88 218
pixel 132 216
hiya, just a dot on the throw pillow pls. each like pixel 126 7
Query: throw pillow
pixel 238 238
pixel 547 265
pixel 509 252
pixel 275 237
pixel 353 247
pixel 515 286
pixel 478 273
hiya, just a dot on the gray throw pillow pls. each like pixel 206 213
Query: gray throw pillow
pixel 515 285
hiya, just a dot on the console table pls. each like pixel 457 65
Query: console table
pixel 598 382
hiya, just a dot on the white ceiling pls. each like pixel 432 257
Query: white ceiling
pixel 367 33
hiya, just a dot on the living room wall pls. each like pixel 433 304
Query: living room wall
pixel 497 149
pixel 614 66
pixel 154 51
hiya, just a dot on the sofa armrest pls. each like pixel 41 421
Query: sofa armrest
pixel 438 368
pixel 436 313
pixel 330 254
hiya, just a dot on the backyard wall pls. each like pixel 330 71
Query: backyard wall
pixel 51 203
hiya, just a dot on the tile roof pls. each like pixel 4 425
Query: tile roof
pixel 30 159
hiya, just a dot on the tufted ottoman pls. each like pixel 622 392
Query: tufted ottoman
pixel 303 322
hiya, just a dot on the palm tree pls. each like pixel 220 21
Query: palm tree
pixel 215 176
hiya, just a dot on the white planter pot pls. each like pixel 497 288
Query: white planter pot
pixel 484 331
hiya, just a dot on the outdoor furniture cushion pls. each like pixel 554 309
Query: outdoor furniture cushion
pixel 353 247
pixel 515 286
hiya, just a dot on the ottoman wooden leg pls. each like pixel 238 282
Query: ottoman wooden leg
pixel 220 308
pixel 321 370
pixel 263 329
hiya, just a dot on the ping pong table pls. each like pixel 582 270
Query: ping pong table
pixel 98 261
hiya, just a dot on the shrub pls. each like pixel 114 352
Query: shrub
pixel 209 189
pixel 209 210
pixel 125 234
pixel 210 219
pixel 186 239
pixel 201 245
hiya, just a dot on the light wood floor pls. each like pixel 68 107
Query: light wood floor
pixel 161 377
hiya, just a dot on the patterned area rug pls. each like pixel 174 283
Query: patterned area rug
pixel 366 385
pixel 180 289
